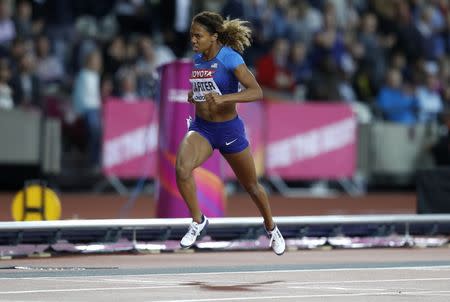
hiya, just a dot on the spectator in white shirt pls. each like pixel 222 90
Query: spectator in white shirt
pixel 87 103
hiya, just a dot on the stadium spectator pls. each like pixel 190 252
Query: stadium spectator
pixel 429 100
pixel 7 27
pixel 375 49
pixel 398 61
pixel 408 37
pixel 115 56
pixel 23 23
pixel 17 49
pixel 299 63
pixel 272 70
pixel 27 89
pixel 150 57
pixel 362 82
pixel 396 103
pixel 49 68
pixel 127 85
pixel 84 42
pixel 87 103
pixel 131 51
pixel 106 87
pixel 433 43
pixel 279 19
pixel 60 24
pixel 347 16
pixel 325 81
pixel 301 69
pixel 445 33
pixel 6 100
pixel 304 20
pixel 329 41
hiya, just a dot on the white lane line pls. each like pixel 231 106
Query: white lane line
pixel 15 292
pixel 371 294
pixel 389 292
pixel 427 293
pixel 337 288
pixel 288 283
pixel 167 283
pixel 446 267
pixel 188 285
pixel 367 281
pixel 432 268
pixel 293 285
pixel 209 299
pixel 156 282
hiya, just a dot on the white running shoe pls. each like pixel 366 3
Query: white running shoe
pixel 193 232
pixel 277 241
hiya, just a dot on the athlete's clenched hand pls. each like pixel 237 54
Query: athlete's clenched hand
pixel 190 97
pixel 214 98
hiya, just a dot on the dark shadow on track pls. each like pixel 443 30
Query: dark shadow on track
pixel 231 288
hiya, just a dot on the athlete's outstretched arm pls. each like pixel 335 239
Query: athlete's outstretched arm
pixel 253 91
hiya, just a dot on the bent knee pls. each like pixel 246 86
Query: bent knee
pixel 183 171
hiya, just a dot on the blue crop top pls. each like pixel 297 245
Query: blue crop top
pixel 215 75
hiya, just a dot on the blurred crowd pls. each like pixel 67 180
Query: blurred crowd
pixel 65 58
pixel 389 59
pixel 392 56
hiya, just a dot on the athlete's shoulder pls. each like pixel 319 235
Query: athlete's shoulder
pixel 228 52
pixel 230 57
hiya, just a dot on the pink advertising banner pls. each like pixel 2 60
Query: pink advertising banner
pixel 310 141
pixel 130 138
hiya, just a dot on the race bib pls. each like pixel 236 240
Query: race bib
pixel 203 83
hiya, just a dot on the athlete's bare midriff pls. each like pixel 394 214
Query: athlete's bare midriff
pixel 215 113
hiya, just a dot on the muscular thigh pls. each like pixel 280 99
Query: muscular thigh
pixel 194 150
pixel 243 166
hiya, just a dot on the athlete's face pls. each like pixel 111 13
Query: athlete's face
pixel 201 39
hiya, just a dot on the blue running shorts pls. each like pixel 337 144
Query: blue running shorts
pixel 227 137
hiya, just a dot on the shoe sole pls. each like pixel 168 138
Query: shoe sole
pixel 204 229
pixel 280 254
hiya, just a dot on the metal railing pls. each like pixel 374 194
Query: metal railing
pixel 231 228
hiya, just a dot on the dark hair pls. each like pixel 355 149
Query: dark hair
pixel 234 33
